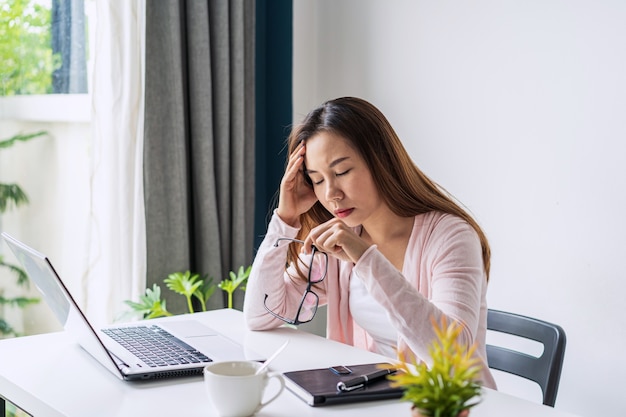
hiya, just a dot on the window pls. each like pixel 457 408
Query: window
pixel 44 48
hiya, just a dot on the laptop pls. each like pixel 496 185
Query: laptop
pixel 177 346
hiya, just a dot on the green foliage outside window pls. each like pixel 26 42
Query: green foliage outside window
pixel 26 59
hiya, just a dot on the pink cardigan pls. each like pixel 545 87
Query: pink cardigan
pixel 443 274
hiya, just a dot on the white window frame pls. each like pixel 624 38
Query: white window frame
pixel 46 108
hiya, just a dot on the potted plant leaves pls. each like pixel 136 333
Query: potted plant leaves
pixel 191 286
pixel 450 386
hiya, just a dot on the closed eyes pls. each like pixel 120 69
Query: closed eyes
pixel 338 174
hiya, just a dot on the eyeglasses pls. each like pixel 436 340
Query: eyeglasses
pixel 310 300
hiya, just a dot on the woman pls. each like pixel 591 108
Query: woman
pixel 361 229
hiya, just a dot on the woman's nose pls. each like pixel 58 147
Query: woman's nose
pixel 333 192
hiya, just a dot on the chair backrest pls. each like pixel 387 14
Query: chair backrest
pixel 545 370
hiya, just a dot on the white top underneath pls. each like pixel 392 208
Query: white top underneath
pixel 372 317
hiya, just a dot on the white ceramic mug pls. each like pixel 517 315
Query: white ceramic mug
pixel 235 390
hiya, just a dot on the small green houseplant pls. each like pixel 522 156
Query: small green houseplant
pixel 448 388
pixel 231 284
pixel 191 286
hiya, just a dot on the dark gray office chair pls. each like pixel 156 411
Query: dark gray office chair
pixel 545 370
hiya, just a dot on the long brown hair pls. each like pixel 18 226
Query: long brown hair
pixel 402 185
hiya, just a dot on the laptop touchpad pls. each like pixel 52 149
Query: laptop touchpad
pixel 219 348
pixel 188 328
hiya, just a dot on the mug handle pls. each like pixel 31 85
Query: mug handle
pixel 281 381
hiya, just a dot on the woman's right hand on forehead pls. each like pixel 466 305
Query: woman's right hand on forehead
pixel 296 195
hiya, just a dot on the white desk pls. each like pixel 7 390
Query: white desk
pixel 65 381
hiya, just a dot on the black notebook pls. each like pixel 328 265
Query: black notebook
pixel 318 387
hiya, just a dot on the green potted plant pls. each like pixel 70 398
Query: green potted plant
pixel 191 286
pixel 450 386
pixel 12 196
pixel 231 284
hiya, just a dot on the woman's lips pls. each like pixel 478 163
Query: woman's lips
pixel 343 213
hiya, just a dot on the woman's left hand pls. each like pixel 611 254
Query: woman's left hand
pixel 337 239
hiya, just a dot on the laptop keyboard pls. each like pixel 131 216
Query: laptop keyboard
pixel 156 347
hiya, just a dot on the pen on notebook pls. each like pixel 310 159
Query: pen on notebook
pixel 362 380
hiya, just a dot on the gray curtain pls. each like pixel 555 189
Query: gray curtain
pixel 199 140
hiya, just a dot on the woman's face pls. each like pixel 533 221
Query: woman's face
pixel 341 179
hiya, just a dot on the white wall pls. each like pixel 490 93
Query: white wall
pixel 518 109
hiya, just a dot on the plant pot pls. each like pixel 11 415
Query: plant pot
pixel 415 412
